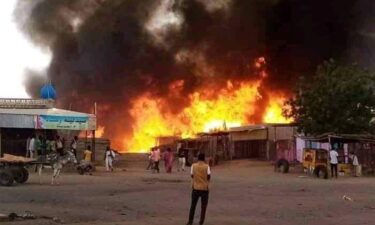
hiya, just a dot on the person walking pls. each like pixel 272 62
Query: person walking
pixel 333 161
pixel 181 159
pixel 150 162
pixel 201 176
pixel 168 160
pixel 73 145
pixel 109 157
pixel 355 164
pixel 156 159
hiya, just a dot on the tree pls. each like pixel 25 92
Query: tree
pixel 338 99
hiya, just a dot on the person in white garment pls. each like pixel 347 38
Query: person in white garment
pixel 333 161
pixel 73 145
pixel 355 164
pixel 109 157
pixel 32 146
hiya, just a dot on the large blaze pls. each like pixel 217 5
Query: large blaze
pixel 209 109
pixel 274 111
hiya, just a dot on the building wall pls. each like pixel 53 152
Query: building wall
pixel 281 132
pixel 250 149
pixel 246 135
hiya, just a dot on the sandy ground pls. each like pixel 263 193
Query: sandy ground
pixel 242 192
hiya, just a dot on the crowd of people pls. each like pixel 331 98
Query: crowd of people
pixel 41 145
pixel 334 161
pixel 155 156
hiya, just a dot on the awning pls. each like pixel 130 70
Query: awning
pixel 344 138
pixel 47 118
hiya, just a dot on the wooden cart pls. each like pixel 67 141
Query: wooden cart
pixel 13 169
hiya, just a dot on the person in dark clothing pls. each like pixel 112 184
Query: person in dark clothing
pixel 181 159
pixel 59 146
pixel 201 175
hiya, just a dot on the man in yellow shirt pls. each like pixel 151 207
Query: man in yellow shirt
pixel 87 154
pixel 201 175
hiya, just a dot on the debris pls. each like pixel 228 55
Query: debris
pixel 27 215
pixel 13 216
pixel 57 220
pixel 347 198
pixel 302 176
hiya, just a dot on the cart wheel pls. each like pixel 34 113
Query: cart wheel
pixel 6 178
pixel 321 172
pixel 282 166
pixel 21 175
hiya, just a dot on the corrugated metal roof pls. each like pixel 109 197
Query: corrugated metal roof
pixel 51 112
pixel 16 121
pixel 26 118
pixel 247 128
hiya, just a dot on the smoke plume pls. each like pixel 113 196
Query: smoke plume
pixel 111 51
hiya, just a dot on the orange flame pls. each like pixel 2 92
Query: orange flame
pixel 99 132
pixel 209 109
pixel 274 111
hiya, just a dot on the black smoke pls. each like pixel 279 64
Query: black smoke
pixel 111 57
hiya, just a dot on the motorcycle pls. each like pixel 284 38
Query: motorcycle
pixel 85 167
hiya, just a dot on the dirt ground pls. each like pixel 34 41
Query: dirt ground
pixel 242 192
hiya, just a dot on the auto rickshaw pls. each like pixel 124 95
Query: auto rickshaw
pixel 315 161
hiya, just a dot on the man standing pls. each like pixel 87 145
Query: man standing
pixel 201 175
pixel 32 146
pixel 333 161
pixel 73 145
pixel 87 154
pixel 355 163
pixel 181 159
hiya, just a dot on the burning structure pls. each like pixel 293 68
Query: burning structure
pixel 251 141
pixel 178 67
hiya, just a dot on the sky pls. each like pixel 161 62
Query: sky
pixel 17 54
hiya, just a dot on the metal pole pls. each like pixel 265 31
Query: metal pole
pixel 93 135
pixel 1 153
pixel 93 145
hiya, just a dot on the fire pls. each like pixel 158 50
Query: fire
pixel 99 132
pixel 209 109
pixel 232 107
pixel 274 111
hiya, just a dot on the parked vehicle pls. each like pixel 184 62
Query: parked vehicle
pixel 285 156
pixel 85 168
pixel 13 169
pixel 315 161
